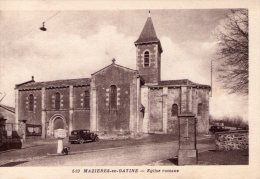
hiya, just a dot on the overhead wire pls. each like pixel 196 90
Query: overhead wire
pixel 52 16
pixel 43 28
pixel 28 33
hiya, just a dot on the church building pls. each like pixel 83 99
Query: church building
pixel 115 99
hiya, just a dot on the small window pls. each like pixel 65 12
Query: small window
pixel 146 59
pixel 57 100
pixel 199 109
pixel 86 99
pixel 31 102
pixel 113 97
pixel 174 110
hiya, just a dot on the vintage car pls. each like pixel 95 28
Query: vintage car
pixel 82 135
pixel 215 129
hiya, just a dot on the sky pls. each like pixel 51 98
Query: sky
pixel 79 43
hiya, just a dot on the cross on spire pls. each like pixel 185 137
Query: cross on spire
pixel 148 33
pixel 149 13
pixel 113 60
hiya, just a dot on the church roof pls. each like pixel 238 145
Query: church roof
pixel 56 83
pixel 182 82
pixel 148 34
pixel 114 64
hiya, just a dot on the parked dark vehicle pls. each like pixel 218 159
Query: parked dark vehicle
pixel 82 135
pixel 215 129
pixel 8 142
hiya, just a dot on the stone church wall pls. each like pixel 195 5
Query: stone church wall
pixel 156 110
pixel 78 97
pixel 173 98
pixel 31 117
pixel 114 120
pixel 187 98
pixel 64 98
pixel 201 96
pixel 81 113
pixel 81 119
pixel 145 103
pixel 150 74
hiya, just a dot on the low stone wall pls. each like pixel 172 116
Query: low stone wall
pixel 232 140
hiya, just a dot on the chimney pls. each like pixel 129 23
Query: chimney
pixel 33 78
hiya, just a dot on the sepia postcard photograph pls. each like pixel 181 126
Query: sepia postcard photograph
pixel 149 91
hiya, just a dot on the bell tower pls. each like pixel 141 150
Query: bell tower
pixel 148 54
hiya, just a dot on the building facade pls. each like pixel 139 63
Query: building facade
pixel 7 119
pixel 8 113
pixel 115 99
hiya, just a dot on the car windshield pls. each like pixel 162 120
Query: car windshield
pixel 74 132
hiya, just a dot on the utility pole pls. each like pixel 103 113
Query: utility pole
pixel 211 74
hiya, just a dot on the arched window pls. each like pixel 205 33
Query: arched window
pixel 86 99
pixel 31 102
pixel 57 100
pixel 113 97
pixel 199 109
pixel 146 59
pixel 174 110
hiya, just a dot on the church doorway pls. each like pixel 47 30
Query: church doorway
pixel 57 121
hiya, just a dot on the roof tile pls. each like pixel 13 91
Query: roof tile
pixel 148 33
pixel 182 82
pixel 56 83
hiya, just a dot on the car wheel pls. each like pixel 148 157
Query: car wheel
pixel 92 137
pixel 19 145
pixel 81 141
pixel 96 139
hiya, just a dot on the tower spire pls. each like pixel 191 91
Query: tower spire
pixel 149 49
pixel 148 34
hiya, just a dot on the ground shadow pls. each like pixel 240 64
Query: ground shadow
pixel 12 164
pixel 216 157
pixel 213 150
pixel 173 160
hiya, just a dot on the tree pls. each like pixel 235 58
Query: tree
pixel 232 52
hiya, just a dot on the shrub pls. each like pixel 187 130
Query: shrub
pixel 234 121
